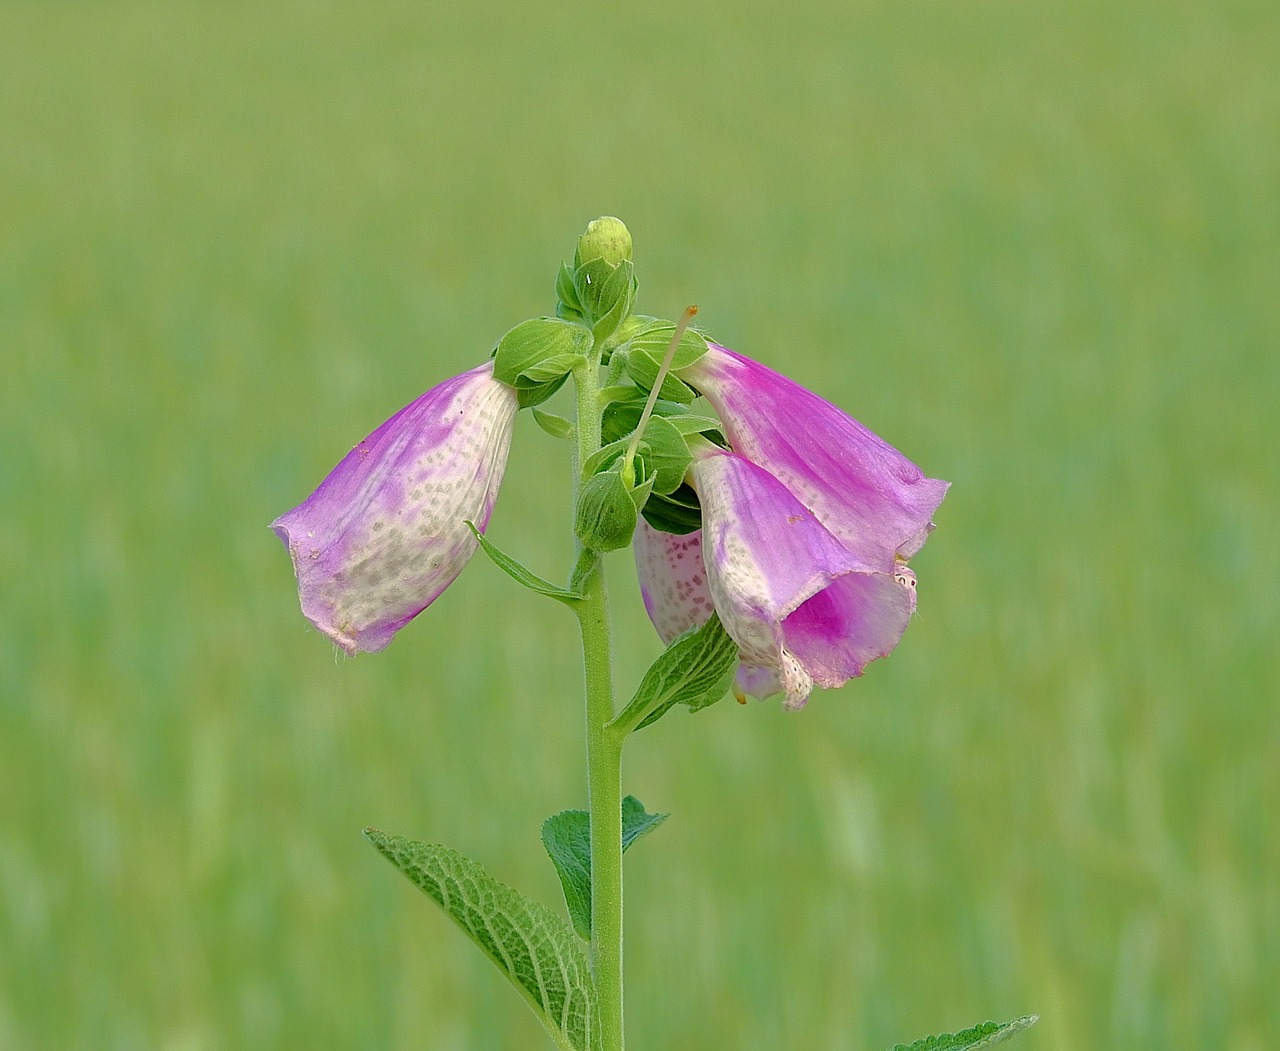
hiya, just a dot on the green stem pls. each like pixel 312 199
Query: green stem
pixel 604 745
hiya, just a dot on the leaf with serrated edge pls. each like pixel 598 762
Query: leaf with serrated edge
pixel 518 573
pixel 526 941
pixel 567 839
pixel 697 669
pixel 988 1034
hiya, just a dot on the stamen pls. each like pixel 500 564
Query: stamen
pixel 665 367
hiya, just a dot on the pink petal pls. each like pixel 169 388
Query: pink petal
pixel 384 534
pixel 876 501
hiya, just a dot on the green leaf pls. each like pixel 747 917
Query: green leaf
pixel 556 426
pixel 644 370
pixel 566 293
pixel 616 301
pixel 665 454
pixel 519 574
pixel 605 517
pixel 697 669
pixel 622 415
pixel 678 513
pixel 637 823
pixel 525 940
pixel 527 397
pixel 540 351
pixel 603 458
pixel 654 336
pixel 691 424
pixel 567 839
pixel 988 1034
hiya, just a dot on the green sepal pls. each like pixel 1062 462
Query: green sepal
pixel 603 458
pixel 697 670
pixel 569 306
pixel 622 414
pixel 652 336
pixel 555 367
pixel 678 513
pixel 589 282
pixel 640 493
pixel 689 423
pixel 519 574
pixel 556 426
pixel 988 1034
pixel 528 397
pixel 524 939
pixel 606 516
pixel 621 392
pixel 539 351
pixel 663 456
pixel 567 839
pixel 666 455
pixel 607 294
pixel 644 370
pixel 645 347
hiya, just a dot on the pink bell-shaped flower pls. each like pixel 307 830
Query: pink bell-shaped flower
pixel 803 609
pixel 806 528
pixel 877 502
pixel 385 533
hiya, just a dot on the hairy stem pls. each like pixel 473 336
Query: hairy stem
pixel 604 744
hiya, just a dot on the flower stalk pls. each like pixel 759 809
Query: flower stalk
pixel 604 743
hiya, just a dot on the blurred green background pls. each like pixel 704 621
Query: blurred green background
pixel 1034 245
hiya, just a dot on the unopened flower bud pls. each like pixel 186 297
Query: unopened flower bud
pixel 606 515
pixel 606 238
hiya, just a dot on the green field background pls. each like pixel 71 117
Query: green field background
pixel 1034 245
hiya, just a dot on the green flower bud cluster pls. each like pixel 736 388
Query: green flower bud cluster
pixel 600 289
pixel 594 325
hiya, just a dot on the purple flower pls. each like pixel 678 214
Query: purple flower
pixel 806 528
pixel 876 501
pixel 385 533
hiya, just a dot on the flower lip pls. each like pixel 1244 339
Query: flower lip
pixel 385 532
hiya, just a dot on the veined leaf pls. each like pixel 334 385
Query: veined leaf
pixel 697 669
pixel 988 1034
pixel 567 838
pixel 525 940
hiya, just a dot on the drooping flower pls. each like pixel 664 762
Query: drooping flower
pixel 803 608
pixel 876 501
pixel 808 523
pixel 385 533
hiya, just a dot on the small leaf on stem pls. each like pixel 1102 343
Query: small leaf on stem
pixel 556 426
pixel 519 574
pixel 988 1034
pixel 697 670
pixel 567 838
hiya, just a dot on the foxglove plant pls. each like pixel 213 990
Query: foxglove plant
pixel 771 535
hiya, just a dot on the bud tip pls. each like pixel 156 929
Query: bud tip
pixel 606 238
